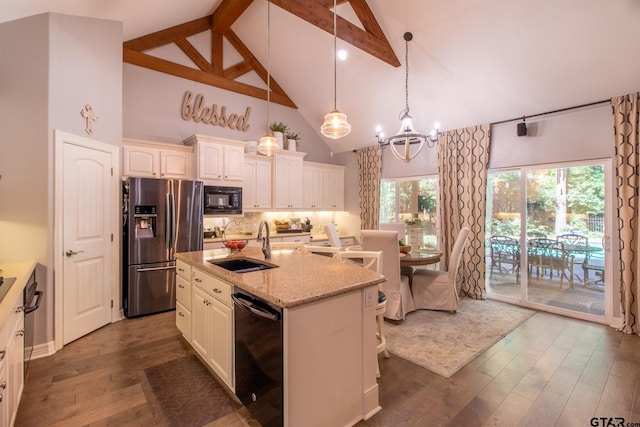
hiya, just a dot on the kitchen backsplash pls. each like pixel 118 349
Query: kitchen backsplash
pixel 250 220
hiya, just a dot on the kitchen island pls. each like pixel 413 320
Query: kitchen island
pixel 328 322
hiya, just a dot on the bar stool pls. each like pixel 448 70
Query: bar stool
pixel 373 261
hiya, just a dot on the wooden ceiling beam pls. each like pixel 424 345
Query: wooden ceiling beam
pixel 227 13
pixel 194 55
pixel 321 17
pixel 147 61
pixel 216 53
pixel 237 70
pixel 367 19
pixel 169 35
pixel 329 3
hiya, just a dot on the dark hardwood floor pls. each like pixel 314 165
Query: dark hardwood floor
pixel 551 370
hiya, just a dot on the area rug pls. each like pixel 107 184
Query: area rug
pixel 182 392
pixel 444 343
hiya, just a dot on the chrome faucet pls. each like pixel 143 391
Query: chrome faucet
pixel 266 243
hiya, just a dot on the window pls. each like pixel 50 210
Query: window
pixel 413 202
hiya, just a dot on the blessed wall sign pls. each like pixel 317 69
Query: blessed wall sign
pixel 193 108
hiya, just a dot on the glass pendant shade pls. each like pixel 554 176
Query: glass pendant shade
pixel 335 125
pixel 268 145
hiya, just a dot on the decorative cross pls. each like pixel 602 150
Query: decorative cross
pixel 90 117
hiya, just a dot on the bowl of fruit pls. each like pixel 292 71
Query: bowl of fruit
pixel 235 245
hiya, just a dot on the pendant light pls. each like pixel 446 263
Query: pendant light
pixel 268 145
pixel 335 123
pixel 407 135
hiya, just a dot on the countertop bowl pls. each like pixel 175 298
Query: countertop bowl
pixel 405 249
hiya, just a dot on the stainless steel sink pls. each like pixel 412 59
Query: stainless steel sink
pixel 242 265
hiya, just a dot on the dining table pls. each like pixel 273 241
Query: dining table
pixel 418 257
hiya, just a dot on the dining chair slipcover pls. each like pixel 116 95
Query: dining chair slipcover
pixel 396 288
pixel 437 290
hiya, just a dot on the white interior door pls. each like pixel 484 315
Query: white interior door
pixel 87 234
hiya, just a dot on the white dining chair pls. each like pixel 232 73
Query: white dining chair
pixel 373 261
pixel 437 290
pixel 396 288
pixel 332 235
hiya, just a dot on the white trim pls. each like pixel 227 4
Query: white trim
pixel 43 350
pixel 59 139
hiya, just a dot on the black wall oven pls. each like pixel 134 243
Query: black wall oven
pixel 220 200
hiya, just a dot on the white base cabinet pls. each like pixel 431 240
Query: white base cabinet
pixel 204 315
pixel 11 364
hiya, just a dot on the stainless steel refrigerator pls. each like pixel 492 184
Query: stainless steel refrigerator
pixel 160 218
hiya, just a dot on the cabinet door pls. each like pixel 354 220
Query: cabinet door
pixel 312 179
pixel 140 161
pixel 175 164
pixel 249 184
pixel 295 180
pixel 15 374
pixel 199 324
pixel 220 353
pixel 333 189
pixel 233 163
pixel 210 161
pixel 281 183
pixel 183 321
pixel 263 184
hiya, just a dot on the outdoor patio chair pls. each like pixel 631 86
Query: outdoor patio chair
pixel 549 255
pixel 505 255
pixel 577 245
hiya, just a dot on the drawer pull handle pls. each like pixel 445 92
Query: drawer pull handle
pixel 217 291
pixel 20 333
pixel 180 314
pixel 198 280
pixel 181 286
pixel 2 354
pixel 4 385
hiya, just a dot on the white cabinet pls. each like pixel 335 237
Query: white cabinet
pixel 212 324
pixel 183 299
pixel 287 180
pixel 333 188
pixel 256 194
pixel 323 186
pixel 11 364
pixel 313 180
pixel 154 160
pixel 217 161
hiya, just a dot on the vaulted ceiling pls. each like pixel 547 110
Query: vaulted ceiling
pixel 470 61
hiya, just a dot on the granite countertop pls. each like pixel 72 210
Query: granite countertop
pixel 300 278
pixel 21 271
pixel 253 236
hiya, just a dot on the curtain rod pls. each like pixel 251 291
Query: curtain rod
pixel 551 112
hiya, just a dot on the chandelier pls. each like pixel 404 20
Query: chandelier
pixel 407 135
pixel 335 124
pixel 268 145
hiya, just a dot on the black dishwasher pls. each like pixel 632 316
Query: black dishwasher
pixel 259 362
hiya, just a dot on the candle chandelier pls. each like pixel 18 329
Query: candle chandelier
pixel 407 135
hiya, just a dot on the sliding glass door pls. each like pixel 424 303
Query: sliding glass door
pixel 555 254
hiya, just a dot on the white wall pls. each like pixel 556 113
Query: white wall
pixel 60 64
pixel 152 111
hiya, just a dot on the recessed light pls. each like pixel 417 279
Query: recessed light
pixel 342 54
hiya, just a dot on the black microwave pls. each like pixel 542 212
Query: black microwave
pixel 222 200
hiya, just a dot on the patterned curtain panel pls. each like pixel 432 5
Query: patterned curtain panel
pixel 627 158
pixel 370 172
pixel 463 158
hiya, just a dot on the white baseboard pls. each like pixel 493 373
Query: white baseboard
pixel 43 350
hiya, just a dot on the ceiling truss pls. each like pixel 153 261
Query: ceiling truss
pixel 317 12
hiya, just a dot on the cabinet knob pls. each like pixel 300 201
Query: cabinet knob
pixel 4 385
pixel 2 354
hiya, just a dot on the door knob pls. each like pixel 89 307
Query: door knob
pixel 70 252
